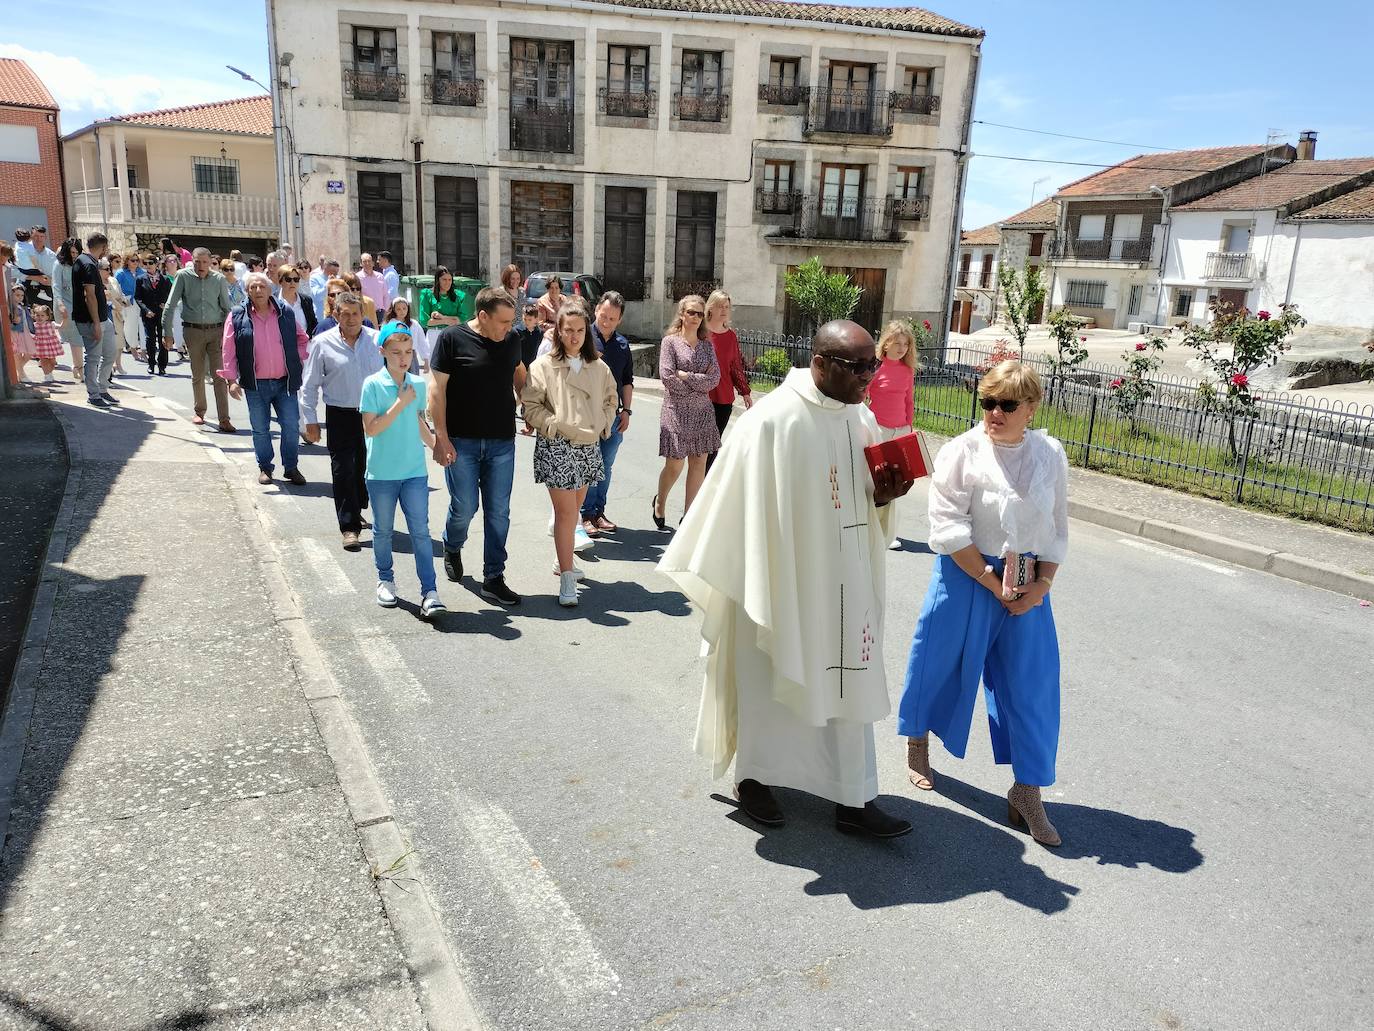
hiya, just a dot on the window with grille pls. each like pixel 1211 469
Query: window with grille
pixel 627 69
pixel 456 241
pixel 215 175
pixel 1183 304
pixel 381 216
pixel 625 232
pixel 374 50
pixel 455 56
pixel 1085 293
pixel 694 254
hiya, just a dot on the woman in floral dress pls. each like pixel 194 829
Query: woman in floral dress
pixel 687 431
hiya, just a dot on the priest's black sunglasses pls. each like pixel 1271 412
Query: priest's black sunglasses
pixel 1006 404
pixel 857 367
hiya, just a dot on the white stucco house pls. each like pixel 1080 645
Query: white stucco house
pixel 667 146
pixel 1301 233
pixel 975 289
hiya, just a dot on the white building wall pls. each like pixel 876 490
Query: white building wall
pixel 335 138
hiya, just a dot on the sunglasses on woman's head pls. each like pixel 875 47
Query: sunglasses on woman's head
pixel 858 367
pixel 1006 404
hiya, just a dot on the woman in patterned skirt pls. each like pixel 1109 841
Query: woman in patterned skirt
pixel 570 401
pixel 687 432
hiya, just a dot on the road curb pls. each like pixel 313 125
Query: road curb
pixel 1309 572
pixel 14 722
pixel 413 917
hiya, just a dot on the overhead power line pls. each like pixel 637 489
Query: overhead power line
pixel 1287 168
pixel 1068 136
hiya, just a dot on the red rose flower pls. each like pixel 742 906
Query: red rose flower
pixel 1240 379
pixel 1263 316
pixel 1116 384
pixel 1082 340
pixel 926 324
pixel 1141 346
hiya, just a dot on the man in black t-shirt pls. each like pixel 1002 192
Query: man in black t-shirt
pixel 91 313
pixel 477 373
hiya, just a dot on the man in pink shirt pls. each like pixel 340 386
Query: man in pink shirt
pixel 374 285
pixel 259 363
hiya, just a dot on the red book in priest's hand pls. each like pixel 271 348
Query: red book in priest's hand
pixel 908 453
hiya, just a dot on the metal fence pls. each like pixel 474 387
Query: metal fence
pixel 1296 455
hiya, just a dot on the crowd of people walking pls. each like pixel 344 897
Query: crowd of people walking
pixel 781 547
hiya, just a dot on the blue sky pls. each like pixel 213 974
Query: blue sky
pixel 1169 74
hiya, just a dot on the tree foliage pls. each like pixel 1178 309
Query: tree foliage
pixel 1023 293
pixel 820 295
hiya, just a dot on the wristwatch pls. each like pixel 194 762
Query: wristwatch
pixel 627 411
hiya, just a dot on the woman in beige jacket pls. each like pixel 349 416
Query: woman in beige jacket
pixel 570 401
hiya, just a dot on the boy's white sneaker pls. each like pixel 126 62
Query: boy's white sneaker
pixel 386 594
pixel 567 590
pixel 430 605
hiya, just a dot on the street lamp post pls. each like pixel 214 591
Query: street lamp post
pixel 278 143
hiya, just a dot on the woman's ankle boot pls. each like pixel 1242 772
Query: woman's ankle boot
pixel 1024 809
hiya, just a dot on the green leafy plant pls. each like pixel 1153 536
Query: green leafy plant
pixel 921 332
pixel 1023 293
pixel 1132 390
pixel 1069 352
pixel 773 362
pixel 822 296
pixel 1253 341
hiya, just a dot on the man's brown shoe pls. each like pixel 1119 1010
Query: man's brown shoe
pixel 264 477
pixel 225 426
pixel 605 525
pixel 350 541
pixel 589 527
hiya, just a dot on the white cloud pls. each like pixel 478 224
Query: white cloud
pixel 84 93
pixel 1001 96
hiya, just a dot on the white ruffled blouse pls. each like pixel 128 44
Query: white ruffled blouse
pixel 1017 504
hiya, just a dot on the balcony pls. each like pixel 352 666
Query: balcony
pixel 445 89
pixel 775 202
pixel 631 287
pixel 1230 265
pixel 1125 251
pixel 710 107
pixel 627 104
pixel 680 287
pixel 542 126
pixel 830 218
pixel 853 112
pixel 911 209
pixel 389 85
pixel 915 104
pixel 783 96
pixel 175 209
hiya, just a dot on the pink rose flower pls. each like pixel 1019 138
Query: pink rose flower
pixel 1141 346
pixel 1240 379
pixel 1116 384
pixel 1082 340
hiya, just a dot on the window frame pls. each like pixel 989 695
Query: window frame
pixel 699 222
pixel 452 73
pixel 376 66
pixel 623 272
pixel 627 67
pixel 1090 287
pixel 1184 297
pixel 704 72
pixel 1101 236
pixel 219 167
pixel 451 203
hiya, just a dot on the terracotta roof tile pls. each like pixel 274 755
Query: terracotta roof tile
pixel 1044 213
pixel 906 19
pixel 1138 174
pixel 21 87
pixel 1281 186
pixel 982 237
pixel 1358 204
pixel 250 115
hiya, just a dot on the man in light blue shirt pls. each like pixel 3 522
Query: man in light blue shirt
pixel 391 275
pixel 340 360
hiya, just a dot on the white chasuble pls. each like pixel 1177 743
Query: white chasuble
pixel 784 545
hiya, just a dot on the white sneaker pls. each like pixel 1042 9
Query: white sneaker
pixel 430 605
pixel 386 594
pixel 581 542
pixel 50 378
pixel 550 526
pixel 577 573
pixel 567 590
pixel 896 545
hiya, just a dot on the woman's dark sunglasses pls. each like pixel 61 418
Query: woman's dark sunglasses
pixel 290 279
pixel 857 367
pixel 1007 405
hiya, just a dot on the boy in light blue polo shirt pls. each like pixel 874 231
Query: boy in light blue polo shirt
pixel 397 435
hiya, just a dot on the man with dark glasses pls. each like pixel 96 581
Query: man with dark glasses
pixel 783 551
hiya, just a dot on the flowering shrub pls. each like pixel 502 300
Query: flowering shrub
pixel 920 332
pixel 1068 346
pixel 1132 390
pixel 1002 351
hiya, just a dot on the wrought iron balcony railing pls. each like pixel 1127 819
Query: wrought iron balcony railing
pixel 832 218
pixel 911 209
pixel 785 96
pixel 363 85
pixel 1230 265
pixel 775 202
pixel 915 103
pixel 1101 250
pixel 626 104
pixel 542 126
pixel 711 107
pixel 680 287
pixel 856 112
pixel 445 89
pixel 631 287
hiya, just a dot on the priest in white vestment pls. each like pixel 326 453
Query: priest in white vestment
pixel 783 552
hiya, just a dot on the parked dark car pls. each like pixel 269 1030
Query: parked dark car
pixel 575 284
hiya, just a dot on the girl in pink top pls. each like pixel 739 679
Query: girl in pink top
pixel 890 393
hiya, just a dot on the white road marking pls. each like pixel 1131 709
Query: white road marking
pixel 1176 556
pixel 389 668
pixel 331 575
pixel 548 919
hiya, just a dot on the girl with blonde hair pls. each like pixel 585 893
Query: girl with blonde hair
pixel 719 307
pixel 890 395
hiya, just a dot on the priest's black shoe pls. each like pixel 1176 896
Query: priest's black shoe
pixel 758 803
pixel 869 820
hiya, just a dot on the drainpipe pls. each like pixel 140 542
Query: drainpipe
pixel 278 134
pixel 1163 250
pixel 419 208
pixel 1293 266
pixel 966 135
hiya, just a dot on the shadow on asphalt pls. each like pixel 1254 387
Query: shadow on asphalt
pixel 949 855
pixel 1113 839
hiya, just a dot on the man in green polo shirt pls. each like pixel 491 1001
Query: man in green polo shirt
pixel 203 294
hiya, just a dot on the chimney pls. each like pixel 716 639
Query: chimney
pixel 1307 145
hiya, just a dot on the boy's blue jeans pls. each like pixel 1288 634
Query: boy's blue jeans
pixel 413 495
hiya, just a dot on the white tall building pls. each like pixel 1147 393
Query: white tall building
pixel 666 146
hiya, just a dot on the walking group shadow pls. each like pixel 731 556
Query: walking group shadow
pixel 962 850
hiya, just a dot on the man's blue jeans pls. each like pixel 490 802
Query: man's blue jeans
pixel 270 395
pixel 487 467
pixel 413 495
pixel 595 503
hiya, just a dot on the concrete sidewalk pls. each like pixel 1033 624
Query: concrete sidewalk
pixel 181 849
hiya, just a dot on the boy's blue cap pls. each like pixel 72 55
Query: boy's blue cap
pixel 390 329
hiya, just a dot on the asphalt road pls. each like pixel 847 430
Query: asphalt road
pixel 1214 797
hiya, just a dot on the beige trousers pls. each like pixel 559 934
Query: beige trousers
pixel 206 350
